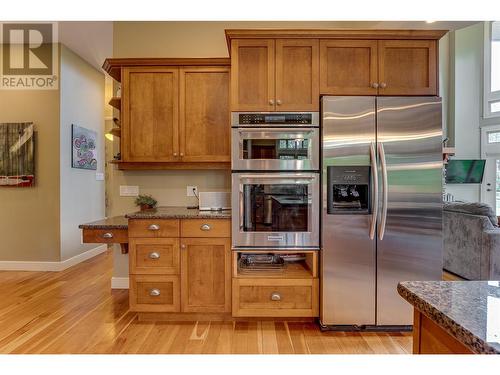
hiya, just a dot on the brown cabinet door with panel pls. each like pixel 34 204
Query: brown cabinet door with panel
pixel 252 75
pixel 348 67
pixel 206 275
pixel 297 75
pixel 150 114
pixel 407 67
pixel 204 131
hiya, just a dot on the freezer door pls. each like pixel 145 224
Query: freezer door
pixel 409 243
pixel 348 252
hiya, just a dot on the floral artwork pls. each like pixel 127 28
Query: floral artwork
pixel 84 148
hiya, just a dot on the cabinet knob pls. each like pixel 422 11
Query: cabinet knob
pixel 275 296
pixel 183 246
pixel 107 235
pixel 154 255
pixel 278 102
pixel 175 153
pixel 154 227
pixel 205 227
pixel 154 292
pixel 182 154
pixel 375 85
pixel 271 102
pixel 383 85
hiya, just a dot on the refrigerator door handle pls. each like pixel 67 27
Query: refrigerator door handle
pixel 385 187
pixel 373 161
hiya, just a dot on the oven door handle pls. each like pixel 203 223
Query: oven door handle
pixel 278 176
pixel 373 162
pixel 277 130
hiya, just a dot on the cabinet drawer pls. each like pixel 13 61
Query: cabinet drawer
pixel 154 256
pixel 154 293
pixel 153 228
pixel 206 228
pixel 105 236
pixel 275 298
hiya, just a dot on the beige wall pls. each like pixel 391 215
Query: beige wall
pixel 82 104
pixel 29 217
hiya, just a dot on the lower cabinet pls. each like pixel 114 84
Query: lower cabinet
pixel 189 274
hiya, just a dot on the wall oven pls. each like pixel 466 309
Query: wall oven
pixel 275 210
pixel 275 141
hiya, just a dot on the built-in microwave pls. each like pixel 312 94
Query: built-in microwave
pixel 275 210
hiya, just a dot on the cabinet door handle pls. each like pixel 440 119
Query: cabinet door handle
pixel 375 85
pixel 154 255
pixel 271 102
pixel 107 235
pixel 278 102
pixel 154 292
pixel 154 227
pixel 383 85
pixel 205 227
pixel 275 296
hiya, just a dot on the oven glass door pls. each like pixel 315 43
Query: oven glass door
pixel 278 210
pixel 275 149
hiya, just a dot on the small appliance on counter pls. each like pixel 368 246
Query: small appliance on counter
pixel 214 201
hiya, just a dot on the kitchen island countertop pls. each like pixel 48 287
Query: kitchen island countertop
pixel 179 213
pixel 467 310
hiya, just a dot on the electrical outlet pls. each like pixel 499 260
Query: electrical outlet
pixel 192 191
pixel 129 191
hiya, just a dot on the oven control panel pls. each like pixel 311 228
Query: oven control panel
pixel 273 119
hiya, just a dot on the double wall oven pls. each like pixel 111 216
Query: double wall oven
pixel 275 180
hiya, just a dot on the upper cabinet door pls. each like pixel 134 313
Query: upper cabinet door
pixel 348 67
pixel 407 67
pixel 150 114
pixel 252 75
pixel 297 75
pixel 204 130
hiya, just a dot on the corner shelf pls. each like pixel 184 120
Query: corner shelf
pixel 116 102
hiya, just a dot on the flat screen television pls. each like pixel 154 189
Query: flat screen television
pixel 465 171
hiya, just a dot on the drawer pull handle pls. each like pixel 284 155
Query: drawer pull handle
pixel 205 227
pixel 154 292
pixel 107 235
pixel 275 296
pixel 154 255
pixel 154 227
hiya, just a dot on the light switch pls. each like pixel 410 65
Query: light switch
pixel 129 191
pixel 99 176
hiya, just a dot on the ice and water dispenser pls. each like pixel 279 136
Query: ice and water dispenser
pixel 348 190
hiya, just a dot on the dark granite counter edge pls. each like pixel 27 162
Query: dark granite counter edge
pixel 453 328
pixel 103 226
pixel 173 216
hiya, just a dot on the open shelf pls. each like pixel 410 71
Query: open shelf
pixel 116 102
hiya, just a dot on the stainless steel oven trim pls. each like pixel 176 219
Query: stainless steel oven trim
pixel 236 123
pixel 240 134
pixel 296 240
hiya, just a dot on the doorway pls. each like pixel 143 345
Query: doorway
pixel 490 151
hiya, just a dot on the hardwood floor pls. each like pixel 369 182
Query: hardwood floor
pixel 75 311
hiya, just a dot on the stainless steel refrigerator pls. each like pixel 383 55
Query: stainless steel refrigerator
pixel 382 206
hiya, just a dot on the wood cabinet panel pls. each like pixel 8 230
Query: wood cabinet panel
pixel 206 228
pixel 154 256
pixel 153 228
pixel 204 131
pixel 252 75
pixel 150 114
pixel 105 235
pixel 348 67
pixel 407 67
pixel 206 274
pixel 297 75
pixel 275 297
pixel 154 293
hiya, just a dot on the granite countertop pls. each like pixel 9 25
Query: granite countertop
pixel 467 310
pixel 179 213
pixel 115 222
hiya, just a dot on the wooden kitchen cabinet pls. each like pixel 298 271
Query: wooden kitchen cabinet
pixel 252 75
pixel 204 126
pixel 407 67
pixel 275 75
pixel 150 114
pixel 348 67
pixel 206 275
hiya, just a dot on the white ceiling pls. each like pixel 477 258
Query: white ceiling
pixel 93 40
